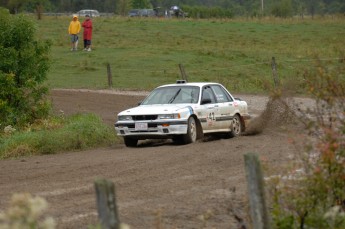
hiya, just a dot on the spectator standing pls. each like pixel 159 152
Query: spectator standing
pixel 87 35
pixel 73 30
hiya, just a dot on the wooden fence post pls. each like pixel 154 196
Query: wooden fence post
pixel 106 204
pixel 274 72
pixel 258 209
pixel 110 77
pixel 183 73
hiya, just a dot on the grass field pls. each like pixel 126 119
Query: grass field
pixel 145 53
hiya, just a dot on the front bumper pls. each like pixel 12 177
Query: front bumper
pixel 153 129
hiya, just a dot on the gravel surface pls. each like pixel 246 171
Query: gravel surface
pixel 158 184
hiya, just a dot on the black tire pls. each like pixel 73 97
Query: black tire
pixel 236 129
pixel 192 132
pixel 130 142
pixel 178 139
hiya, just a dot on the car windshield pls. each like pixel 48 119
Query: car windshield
pixel 173 95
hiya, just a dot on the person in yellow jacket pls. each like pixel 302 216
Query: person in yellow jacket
pixel 73 30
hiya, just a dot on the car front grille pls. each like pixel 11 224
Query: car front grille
pixel 144 117
pixel 150 125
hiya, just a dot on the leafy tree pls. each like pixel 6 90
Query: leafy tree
pixel 311 6
pixel 122 7
pixel 37 6
pixel 24 63
pixel 282 9
pixel 140 4
pixel 15 5
pixel 110 6
pixel 156 3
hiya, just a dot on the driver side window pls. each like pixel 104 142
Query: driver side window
pixel 207 94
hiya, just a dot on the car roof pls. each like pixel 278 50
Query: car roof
pixel 88 10
pixel 198 84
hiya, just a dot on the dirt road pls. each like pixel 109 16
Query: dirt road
pixel 157 185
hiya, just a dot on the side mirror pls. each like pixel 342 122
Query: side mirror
pixel 205 101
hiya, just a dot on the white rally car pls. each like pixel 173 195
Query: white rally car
pixel 183 112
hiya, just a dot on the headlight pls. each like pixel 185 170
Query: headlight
pixel 169 116
pixel 124 118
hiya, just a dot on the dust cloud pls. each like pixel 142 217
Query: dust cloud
pixel 279 112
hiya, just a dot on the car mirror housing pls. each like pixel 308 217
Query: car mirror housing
pixel 205 101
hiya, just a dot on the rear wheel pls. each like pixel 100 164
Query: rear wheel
pixel 236 126
pixel 130 142
pixel 192 131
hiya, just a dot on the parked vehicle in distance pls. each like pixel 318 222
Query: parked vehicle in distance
pixel 91 13
pixel 176 11
pixel 133 13
pixel 183 112
pixel 141 13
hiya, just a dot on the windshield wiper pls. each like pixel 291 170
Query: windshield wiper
pixel 174 97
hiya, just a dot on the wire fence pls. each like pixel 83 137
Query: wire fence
pixel 268 63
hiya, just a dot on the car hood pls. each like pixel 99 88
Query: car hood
pixel 154 109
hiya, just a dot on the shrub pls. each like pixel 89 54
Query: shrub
pixel 313 194
pixel 24 63
pixel 54 135
pixel 26 211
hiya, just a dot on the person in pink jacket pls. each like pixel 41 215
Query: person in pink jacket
pixel 87 25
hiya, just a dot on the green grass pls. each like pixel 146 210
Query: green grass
pixel 145 53
pixel 57 134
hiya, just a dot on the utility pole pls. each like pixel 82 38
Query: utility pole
pixel 262 7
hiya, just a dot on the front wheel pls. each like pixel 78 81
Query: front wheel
pixel 191 135
pixel 130 142
pixel 178 139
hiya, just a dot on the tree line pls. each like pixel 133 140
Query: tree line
pixel 209 8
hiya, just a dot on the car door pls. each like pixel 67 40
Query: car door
pixel 209 110
pixel 225 109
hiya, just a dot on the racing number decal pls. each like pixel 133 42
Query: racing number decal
pixel 210 119
pixel 211 116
